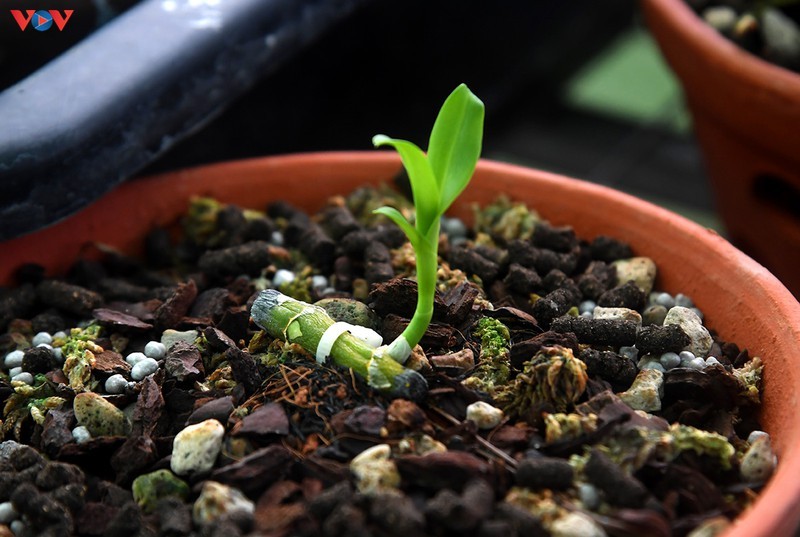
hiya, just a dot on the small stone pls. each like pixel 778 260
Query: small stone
pixel 319 282
pixel 711 360
pixel 374 470
pixel 686 357
pixel 148 489
pixel 781 37
pixel 652 364
pixel 759 461
pixel 7 513
pixel 756 434
pixel 143 368
pixel 484 415
pixel 100 417
pixel 699 339
pixel 282 277
pixel 14 371
pixel 13 359
pixel 623 314
pixel 696 363
pixel 576 524
pixel 81 434
pixel 654 315
pixel 665 299
pixel 683 301
pixel 454 228
pixel 670 360
pixel 629 352
pixel 41 337
pixel 155 350
pixel 116 384
pixel 217 500
pixel 135 357
pixel 18 528
pixel 196 447
pixel 698 313
pixel 642 270
pixel 587 306
pixel 25 377
pixel 589 495
pixel 276 238
pixel 646 391
pixel 721 18
pixel 170 337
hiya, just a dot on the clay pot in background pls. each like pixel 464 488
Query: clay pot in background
pixel 746 113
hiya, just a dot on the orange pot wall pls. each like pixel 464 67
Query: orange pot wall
pixel 746 114
pixel 740 298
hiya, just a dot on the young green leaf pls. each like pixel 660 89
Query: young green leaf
pixel 397 217
pixel 423 183
pixel 455 144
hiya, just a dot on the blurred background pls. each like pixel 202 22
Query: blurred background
pixel 577 88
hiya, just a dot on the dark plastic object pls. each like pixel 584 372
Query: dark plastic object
pixel 110 105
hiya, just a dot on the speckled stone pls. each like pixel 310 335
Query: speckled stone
pixel 170 337
pixel 217 500
pixel 758 461
pixel 374 470
pixel 623 314
pixel 149 488
pixel 100 417
pixel 350 311
pixel 642 270
pixel 699 339
pixel 646 391
pixel 484 415
pixel 196 447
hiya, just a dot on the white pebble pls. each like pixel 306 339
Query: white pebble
pixel 759 461
pixel 697 363
pixel 318 281
pixel 14 371
pixel 143 368
pixel 686 357
pixel 60 335
pixel 683 301
pixel 81 434
pixel 374 470
pixel 155 350
pixel 699 338
pixel 454 227
pixel 196 447
pixel 484 415
pixel 587 315
pixel 59 355
pixel 41 337
pixel 13 359
pixel 670 360
pixel 18 527
pixel 7 513
pixel 116 384
pixel 665 299
pixel 712 361
pixel 135 357
pixel 25 377
pixel 45 345
pixel 576 524
pixel 756 434
pixel 277 238
pixel 653 365
pixel 589 495
pixel 281 277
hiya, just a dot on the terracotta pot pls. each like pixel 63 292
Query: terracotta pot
pixel 746 112
pixel 740 298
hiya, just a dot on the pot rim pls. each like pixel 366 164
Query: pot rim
pixel 137 205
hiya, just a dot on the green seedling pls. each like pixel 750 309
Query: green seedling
pixel 436 179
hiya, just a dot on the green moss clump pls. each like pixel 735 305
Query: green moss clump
pixel 506 220
pixel 493 369
pixel 149 488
